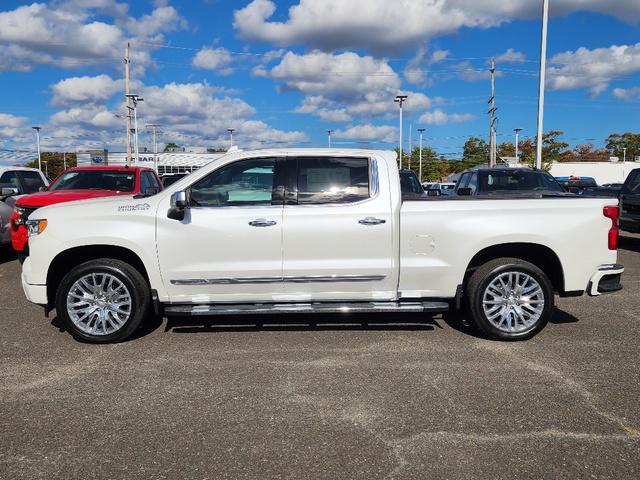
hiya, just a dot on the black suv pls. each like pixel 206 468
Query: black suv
pixel 506 181
pixel 630 203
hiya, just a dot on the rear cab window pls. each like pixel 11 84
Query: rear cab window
pixel 32 181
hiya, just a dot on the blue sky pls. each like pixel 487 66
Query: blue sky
pixel 282 73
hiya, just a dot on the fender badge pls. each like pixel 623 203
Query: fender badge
pixel 134 208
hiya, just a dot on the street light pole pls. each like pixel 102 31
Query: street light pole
pixel 517 130
pixel 421 130
pixel 37 129
pixel 329 132
pixel 400 99
pixel 543 67
pixel 46 169
pixel 231 130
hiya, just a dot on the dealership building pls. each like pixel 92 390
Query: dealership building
pixel 167 162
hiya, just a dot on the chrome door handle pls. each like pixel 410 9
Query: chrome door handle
pixel 261 222
pixel 371 221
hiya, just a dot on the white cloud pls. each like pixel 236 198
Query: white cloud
pixel 510 56
pixel 627 93
pixel 592 69
pixel 85 90
pixel 383 26
pixel 415 72
pixel 80 32
pixel 438 117
pixel 92 117
pixel 12 126
pixel 340 87
pixel 382 133
pixel 217 59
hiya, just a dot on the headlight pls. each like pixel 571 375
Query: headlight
pixel 36 227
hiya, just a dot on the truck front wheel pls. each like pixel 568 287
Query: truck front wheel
pixel 102 301
pixel 509 299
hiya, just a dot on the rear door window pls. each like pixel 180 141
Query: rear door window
pixel 332 180
pixel 32 181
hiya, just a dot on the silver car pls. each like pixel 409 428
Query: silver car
pixel 16 181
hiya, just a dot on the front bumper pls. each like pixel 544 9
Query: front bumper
pixel 34 293
pixel 606 280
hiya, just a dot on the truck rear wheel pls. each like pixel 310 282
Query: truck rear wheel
pixel 102 301
pixel 509 299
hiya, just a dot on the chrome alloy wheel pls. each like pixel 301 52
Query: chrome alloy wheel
pixel 99 304
pixel 513 302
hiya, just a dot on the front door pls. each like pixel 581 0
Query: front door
pixel 228 248
pixel 338 238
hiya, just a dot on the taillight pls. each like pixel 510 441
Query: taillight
pixel 612 212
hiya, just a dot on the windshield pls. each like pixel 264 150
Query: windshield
pixel 96 180
pixel 518 181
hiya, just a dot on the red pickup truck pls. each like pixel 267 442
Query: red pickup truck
pixel 80 183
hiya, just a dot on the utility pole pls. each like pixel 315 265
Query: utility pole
pixel 543 68
pixel 624 153
pixel 399 100
pixel 155 127
pixel 517 130
pixel 492 113
pixel 231 130
pixel 135 99
pixel 127 95
pixel 329 132
pixel 421 130
pixel 64 161
pixel 37 129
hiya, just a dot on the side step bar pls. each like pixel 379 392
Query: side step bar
pixel 185 310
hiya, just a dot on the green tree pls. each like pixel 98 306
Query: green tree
pixel 475 151
pixel 616 144
pixel 170 146
pixel 55 163
pixel 552 149
pixel 506 149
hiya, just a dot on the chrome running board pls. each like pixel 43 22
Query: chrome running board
pixel 184 310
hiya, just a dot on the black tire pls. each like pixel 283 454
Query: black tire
pixel 488 272
pixel 129 276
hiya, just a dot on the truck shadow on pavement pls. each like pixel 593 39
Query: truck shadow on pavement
pixel 317 322
pixel 301 322
pixel 7 254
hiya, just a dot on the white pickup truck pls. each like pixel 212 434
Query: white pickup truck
pixel 316 230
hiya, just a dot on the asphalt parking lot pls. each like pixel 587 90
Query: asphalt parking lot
pixel 401 397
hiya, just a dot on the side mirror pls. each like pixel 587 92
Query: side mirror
pixel 8 192
pixel 151 191
pixel 434 192
pixel 179 204
pixel 464 191
pixel 43 189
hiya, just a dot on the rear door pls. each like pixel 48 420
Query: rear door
pixel 338 230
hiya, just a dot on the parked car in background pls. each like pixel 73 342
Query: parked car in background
pixel 447 188
pixel 505 181
pixel 605 190
pixel 316 230
pixel 171 178
pixel 80 183
pixel 630 203
pixel 576 184
pixel 429 185
pixel 16 181
pixel 409 183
